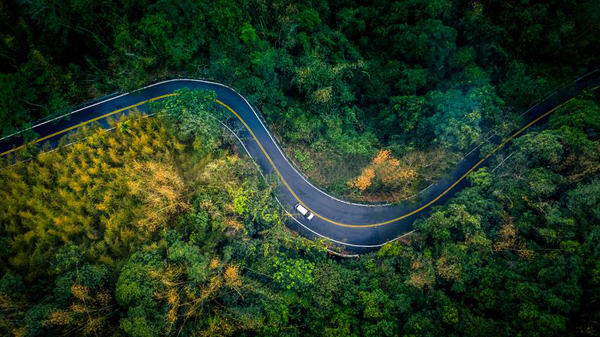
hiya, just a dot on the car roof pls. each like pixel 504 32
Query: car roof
pixel 301 208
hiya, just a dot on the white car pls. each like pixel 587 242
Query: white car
pixel 308 215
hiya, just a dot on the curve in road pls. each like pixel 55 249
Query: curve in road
pixel 358 228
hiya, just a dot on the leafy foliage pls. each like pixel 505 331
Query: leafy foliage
pixel 514 254
pixel 339 79
pixel 156 228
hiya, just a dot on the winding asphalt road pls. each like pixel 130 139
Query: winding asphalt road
pixel 356 228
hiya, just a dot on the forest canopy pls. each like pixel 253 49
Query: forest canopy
pixel 336 80
pixel 160 228
pixel 152 230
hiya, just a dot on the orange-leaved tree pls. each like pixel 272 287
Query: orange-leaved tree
pixel 384 174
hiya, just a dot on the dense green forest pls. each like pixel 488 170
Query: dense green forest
pixel 160 228
pixel 336 80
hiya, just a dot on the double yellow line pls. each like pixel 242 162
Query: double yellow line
pixel 279 173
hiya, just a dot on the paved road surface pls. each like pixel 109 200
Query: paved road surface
pixel 356 228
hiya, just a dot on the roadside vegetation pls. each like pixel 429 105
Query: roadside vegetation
pixel 338 81
pixel 159 228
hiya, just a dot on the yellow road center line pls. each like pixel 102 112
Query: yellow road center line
pixel 405 215
pixel 271 161
pixel 86 122
pixel 498 147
